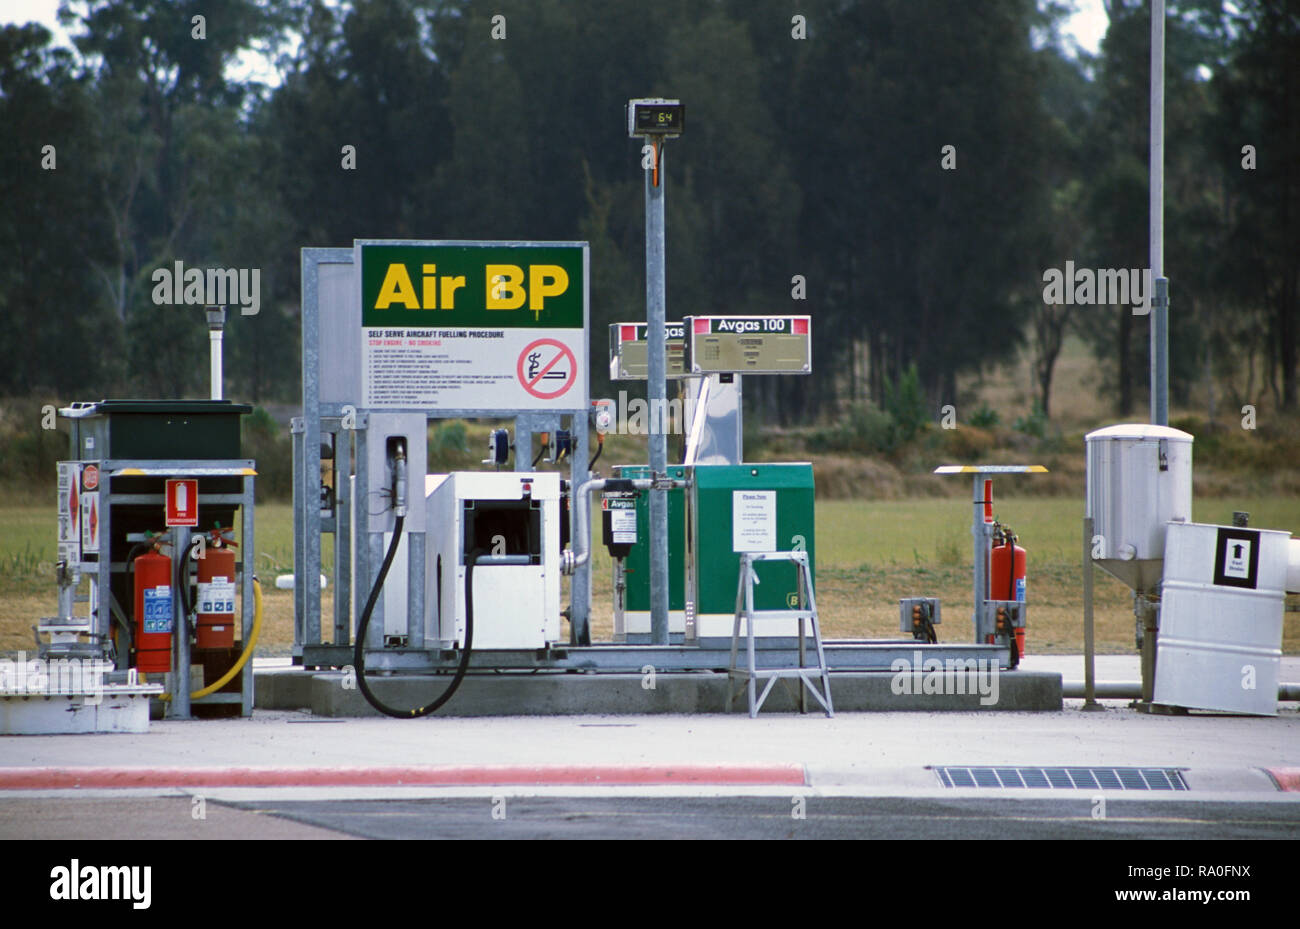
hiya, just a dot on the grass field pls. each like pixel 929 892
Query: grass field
pixel 869 554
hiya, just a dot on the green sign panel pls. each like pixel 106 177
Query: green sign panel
pixel 482 286
pixel 473 326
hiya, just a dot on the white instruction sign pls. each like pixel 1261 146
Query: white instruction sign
pixel 473 326
pixel 753 520
pixel 217 596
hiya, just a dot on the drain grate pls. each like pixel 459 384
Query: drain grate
pixel 1064 778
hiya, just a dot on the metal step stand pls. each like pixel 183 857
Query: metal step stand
pixel 807 611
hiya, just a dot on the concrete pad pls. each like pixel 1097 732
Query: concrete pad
pixel 281 688
pixel 559 694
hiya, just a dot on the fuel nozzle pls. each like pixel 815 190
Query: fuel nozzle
pixel 399 480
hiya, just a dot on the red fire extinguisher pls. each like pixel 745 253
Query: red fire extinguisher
pixel 153 611
pixel 216 599
pixel 1007 574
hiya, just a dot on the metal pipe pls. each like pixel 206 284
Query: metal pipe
pixel 980 531
pixel 579 553
pixel 656 388
pixel 1089 649
pixel 1160 353
pixel 180 703
pixel 214 375
pixel 1148 615
pixel 1132 690
pixel 1160 322
pixel 216 316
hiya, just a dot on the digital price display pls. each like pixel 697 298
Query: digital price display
pixel 655 117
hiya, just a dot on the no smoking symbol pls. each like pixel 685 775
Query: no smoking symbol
pixel 546 368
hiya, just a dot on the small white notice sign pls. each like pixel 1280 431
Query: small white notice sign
pixel 753 520
pixel 622 526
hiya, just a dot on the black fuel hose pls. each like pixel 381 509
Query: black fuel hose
pixel 188 595
pixel 358 651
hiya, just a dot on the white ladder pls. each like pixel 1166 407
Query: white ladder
pixel 806 611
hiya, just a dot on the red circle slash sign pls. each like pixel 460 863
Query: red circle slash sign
pixel 542 364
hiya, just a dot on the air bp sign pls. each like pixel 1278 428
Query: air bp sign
pixel 473 326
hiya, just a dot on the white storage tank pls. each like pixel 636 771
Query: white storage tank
pixel 1139 480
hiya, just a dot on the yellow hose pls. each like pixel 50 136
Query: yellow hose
pixel 243 659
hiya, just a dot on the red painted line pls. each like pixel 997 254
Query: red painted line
pixel 1286 778
pixel 17 778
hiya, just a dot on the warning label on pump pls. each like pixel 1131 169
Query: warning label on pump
pixel 753 521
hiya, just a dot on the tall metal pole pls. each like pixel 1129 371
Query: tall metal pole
pixel 1160 299
pixel 658 392
pixel 1090 703
pixel 180 708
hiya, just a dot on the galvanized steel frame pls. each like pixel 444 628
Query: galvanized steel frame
pixel 354 573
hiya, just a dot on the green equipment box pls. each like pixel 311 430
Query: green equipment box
pixel 737 508
pixel 632 574
pixel 156 429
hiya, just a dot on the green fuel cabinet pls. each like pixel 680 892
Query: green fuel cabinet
pixel 736 508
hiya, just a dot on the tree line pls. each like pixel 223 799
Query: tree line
pixel 903 170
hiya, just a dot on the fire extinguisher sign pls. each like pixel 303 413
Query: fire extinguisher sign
pixel 182 502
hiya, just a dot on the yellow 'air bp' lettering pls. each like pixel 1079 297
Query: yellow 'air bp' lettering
pixel 398 289
pixel 504 287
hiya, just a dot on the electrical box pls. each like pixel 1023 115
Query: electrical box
pixel 1221 610
pixel 749 344
pixel 746 508
pixel 629 351
pixel 913 612
pixel 513 520
pixel 1015 612
pixel 632 574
